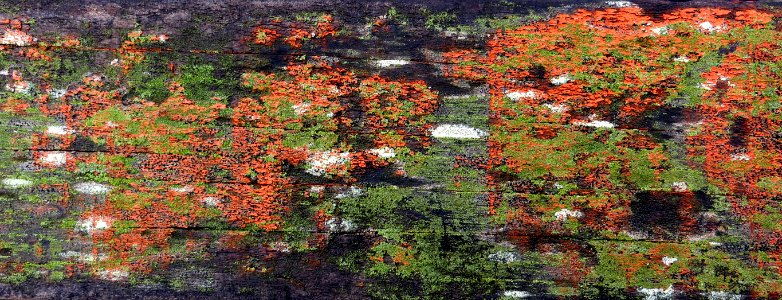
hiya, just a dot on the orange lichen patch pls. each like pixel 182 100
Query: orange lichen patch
pixel 93 96
pixel 570 269
pixel 15 37
pixel 68 42
pixel 589 61
pixel 260 205
pixel 740 109
pixel 267 134
pixel 294 34
pixel 131 53
pixel 265 36
pixel 389 105
pixel 625 64
pixel 607 54
pixel 296 37
pixel 179 161
pixel 325 27
pixel 178 108
pixel 616 68
pixel 35 54
pixel 15 105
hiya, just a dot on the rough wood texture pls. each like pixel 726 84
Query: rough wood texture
pixel 390 149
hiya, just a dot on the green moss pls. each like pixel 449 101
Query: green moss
pixel 688 92
pixel 14 278
pixel 123 226
pixel 146 82
pixel 376 207
pixel 641 174
pixel 468 110
pixel 200 82
pixel 127 202
pixel 717 270
pixel 113 114
pixel 317 140
pixel 394 15
pixel 91 171
pixel 769 220
pixel 771 184
pixel 8 8
pixel 57 276
pixel 440 20
pixel 695 179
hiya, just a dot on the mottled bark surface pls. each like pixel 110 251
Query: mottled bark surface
pixel 401 149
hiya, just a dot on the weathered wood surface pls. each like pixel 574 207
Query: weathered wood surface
pixel 145 154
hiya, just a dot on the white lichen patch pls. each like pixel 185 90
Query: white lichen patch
pixel 83 257
pixel 16 182
pixel 93 224
pixel 516 294
pixel 20 86
pixel 557 108
pixel 113 275
pixel 95 78
pixel 705 236
pixel 708 27
pixel 719 295
pixel 739 157
pixel 349 192
pixel 459 97
pixel 54 159
pixel 334 90
pixel 679 186
pixel 727 80
pixel 390 63
pixel 343 225
pixel 515 96
pixel 669 260
pixel 637 235
pixel 183 189
pixel 317 189
pixel 660 30
pixel 58 130
pixel 561 79
pixel 301 108
pixel 384 152
pixel 322 162
pixel 211 201
pixel 16 38
pixel 683 59
pixel 280 246
pixel 91 188
pixel 619 4
pixel 458 131
pixel 655 294
pixel 565 213
pixel 596 124
pixel 504 256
